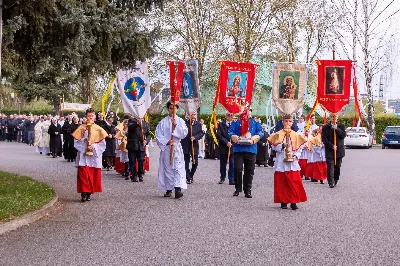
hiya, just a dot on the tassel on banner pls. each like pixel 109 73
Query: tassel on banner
pixel 213 120
pixel 324 116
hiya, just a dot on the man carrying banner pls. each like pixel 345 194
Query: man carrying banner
pixel 190 145
pixel 169 133
pixel 328 138
pixel 245 133
pixel 138 137
pixel 225 149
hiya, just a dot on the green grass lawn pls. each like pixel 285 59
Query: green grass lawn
pixel 20 195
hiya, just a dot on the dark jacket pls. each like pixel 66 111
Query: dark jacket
pixel 197 134
pixel 110 142
pixel 327 139
pixel 279 126
pixel 223 137
pixel 30 125
pixel 135 136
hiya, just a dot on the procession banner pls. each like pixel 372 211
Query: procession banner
pixel 175 79
pixel 74 106
pixel 236 84
pixel 190 89
pixel 334 78
pixel 134 88
pixel 289 86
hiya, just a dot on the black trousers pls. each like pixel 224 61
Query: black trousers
pixel 333 171
pixel 134 155
pixel 246 160
pixel 190 172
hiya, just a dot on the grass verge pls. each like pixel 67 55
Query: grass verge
pixel 20 195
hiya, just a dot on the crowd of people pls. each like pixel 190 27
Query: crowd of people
pixel 295 150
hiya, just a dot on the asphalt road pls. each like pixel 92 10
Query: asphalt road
pixel 357 223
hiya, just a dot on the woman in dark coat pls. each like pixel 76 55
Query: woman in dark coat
pixel 212 151
pixel 109 153
pixel 55 138
pixel 262 149
pixel 68 147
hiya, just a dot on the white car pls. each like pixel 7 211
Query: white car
pixel 358 137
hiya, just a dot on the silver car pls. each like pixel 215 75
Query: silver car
pixel 358 137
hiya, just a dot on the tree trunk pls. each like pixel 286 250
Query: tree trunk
pixel 57 107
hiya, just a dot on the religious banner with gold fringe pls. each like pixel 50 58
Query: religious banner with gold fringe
pixel 236 84
pixel 134 88
pixel 289 86
pixel 334 79
pixel 190 90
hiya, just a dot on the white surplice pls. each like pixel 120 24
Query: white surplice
pixel 88 160
pixel 171 176
pixel 42 137
pixel 318 155
pixel 280 165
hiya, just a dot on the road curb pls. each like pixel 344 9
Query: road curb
pixel 29 218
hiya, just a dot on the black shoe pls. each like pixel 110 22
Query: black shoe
pixel 168 194
pixel 232 183
pixel 236 193
pixel 336 181
pixel 313 180
pixel 293 206
pixel 331 185
pixel 248 195
pixel 221 181
pixel 178 194
pixel 188 181
pixel 88 196
pixel 127 178
pixel 41 152
pixel 321 181
pixel 258 165
pixel 140 178
pixel 83 197
pixel 306 178
pixel 284 206
pixel 134 179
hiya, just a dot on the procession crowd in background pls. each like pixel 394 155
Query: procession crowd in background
pixel 124 146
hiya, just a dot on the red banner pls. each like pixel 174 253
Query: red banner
pixel 236 84
pixel 175 79
pixel 334 78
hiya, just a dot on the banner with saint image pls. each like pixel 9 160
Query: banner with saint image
pixel 289 86
pixel 334 79
pixel 236 84
pixel 190 89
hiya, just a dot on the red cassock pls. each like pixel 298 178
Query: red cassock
pixel 119 167
pixel 288 187
pixel 89 179
pixel 317 170
pixel 303 166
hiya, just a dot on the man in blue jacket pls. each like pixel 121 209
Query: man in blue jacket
pixel 245 133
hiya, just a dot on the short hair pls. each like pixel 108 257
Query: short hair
pixel 287 116
pixel 89 110
pixel 302 116
pixel 169 103
pixel 313 115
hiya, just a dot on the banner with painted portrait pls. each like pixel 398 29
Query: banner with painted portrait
pixel 190 90
pixel 289 86
pixel 334 79
pixel 134 88
pixel 236 84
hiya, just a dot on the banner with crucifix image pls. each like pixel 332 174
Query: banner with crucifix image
pixel 289 86
pixel 190 89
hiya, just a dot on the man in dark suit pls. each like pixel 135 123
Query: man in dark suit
pixel 138 137
pixel 328 140
pixel 224 145
pixel 195 133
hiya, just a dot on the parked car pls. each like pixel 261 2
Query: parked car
pixel 391 137
pixel 358 137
